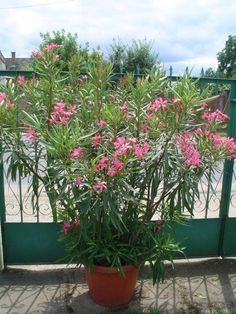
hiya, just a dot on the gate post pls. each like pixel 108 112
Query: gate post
pixel 2 208
pixel 228 171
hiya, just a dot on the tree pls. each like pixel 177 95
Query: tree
pixel 68 45
pixel 117 55
pixel 138 57
pixel 210 72
pixel 227 57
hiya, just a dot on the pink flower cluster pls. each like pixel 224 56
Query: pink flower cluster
pixel 3 96
pixel 224 142
pixel 61 114
pixel 77 153
pixel 36 54
pixel 113 168
pixel 199 131
pixel 101 123
pixel 141 150
pixel 215 116
pixel 21 80
pixel 100 186
pixel 31 134
pixel 124 108
pixel 157 104
pixel 78 181
pixel 190 153
pixel 96 140
pixel 51 46
pixel 123 147
pixel 144 127
pixel 204 105
pixel 218 141
pixel 67 226
pixel 102 164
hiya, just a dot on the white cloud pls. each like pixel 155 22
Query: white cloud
pixel 185 32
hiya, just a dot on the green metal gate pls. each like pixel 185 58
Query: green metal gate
pixel 28 238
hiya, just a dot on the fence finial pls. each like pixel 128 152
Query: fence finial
pixel 121 66
pixel 138 69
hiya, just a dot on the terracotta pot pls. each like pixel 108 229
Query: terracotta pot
pixel 108 287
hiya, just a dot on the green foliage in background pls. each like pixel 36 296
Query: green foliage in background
pixel 137 57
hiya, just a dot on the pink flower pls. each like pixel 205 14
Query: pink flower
pixel 96 140
pixel 21 80
pixel 31 134
pixel 158 104
pixel 122 146
pixel 144 127
pixel 146 147
pixel 138 152
pixel 124 107
pixel 100 186
pixel 2 97
pixel 102 164
pixel 133 140
pixel 78 181
pixel 50 46
pixel 230 148
pixel 115 168
pixel 198 131
pixel 127 116
pixel 187 135
pixel 215 116
pixel 189 151
pixel 67 227
pixel 224 142
pixel 217 140
pixel 141 151
pixel 61 114
pixel 60 106
pixel 10 104
pixel 76 222
pixel 77 152
pixel 204 105
pixel 36 54
pixel 101 123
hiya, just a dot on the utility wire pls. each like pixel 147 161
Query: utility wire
pixel 34 5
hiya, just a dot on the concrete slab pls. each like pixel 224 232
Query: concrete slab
pixel 192 287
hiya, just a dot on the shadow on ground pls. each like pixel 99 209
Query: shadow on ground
pixel 192 287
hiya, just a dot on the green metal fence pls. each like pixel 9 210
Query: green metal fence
pixel 30 236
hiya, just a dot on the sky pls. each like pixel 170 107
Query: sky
pixel 185 32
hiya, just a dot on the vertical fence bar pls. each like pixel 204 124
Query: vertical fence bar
pixel 18 140
pixel 2 195
pixel 170 75
pixel 228 171
pixel 2 208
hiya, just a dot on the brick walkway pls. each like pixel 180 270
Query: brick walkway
pixel 192 287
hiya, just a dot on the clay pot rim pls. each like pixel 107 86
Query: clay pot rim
pixel 111 270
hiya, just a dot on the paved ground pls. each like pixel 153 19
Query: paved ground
pixel 192 287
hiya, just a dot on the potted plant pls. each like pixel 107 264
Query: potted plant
pixel 119 162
